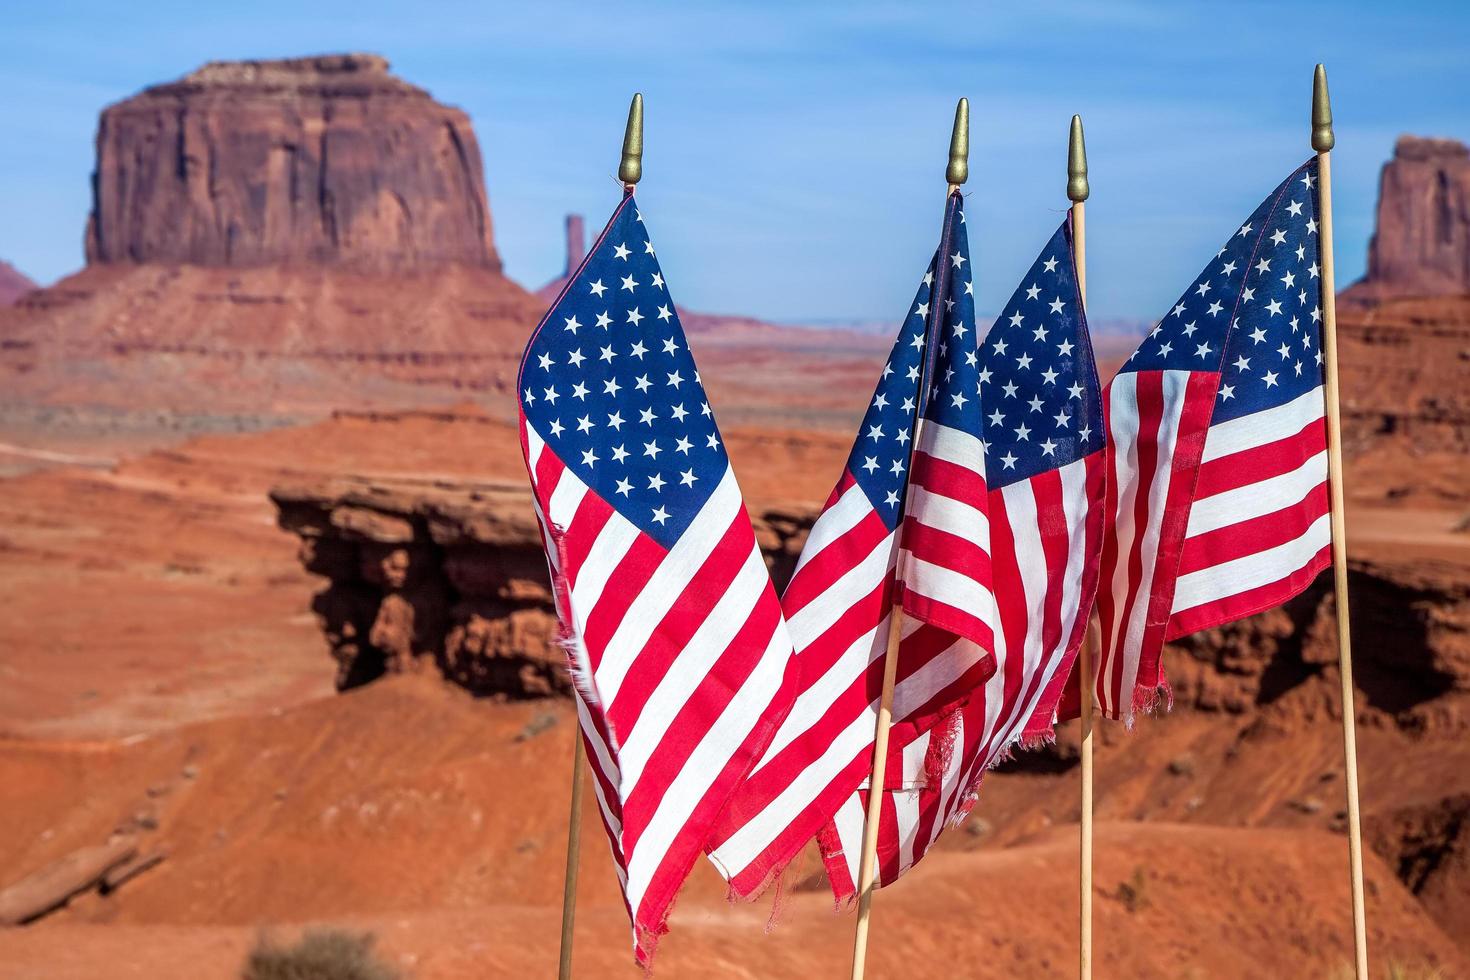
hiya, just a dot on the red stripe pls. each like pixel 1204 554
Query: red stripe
pixel 888 856
pixel 947 479
pixel 685 615
pixel 1108 613
pixel 1151 412
pixel 823 570
pixel 625 584
pixel 1010 600
pixel 1261 463
pixel 1250 602
pixel 947 550
pixel 695 718
pixel 591 517
pixel 1254 536
pixel 1041 721
pixel 1199 398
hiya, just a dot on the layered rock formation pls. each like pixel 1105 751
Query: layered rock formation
pixel 327 159
pixel 1421 246
pixel 13 284
pixel 272 238
pixel 449 574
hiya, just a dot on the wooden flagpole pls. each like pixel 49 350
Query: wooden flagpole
pixel 574 853
pixel 956 174
pixel 1077 193
pixel 630 171
pixel 1323 141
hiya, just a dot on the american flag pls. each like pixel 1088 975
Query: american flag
pixel 852 572
pixel 1044 461
pixel 676 639
pixel 1218 499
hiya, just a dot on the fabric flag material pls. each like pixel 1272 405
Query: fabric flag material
pixel 675 636
pixel 851 572
pixel 1218 451
pixel 1045 466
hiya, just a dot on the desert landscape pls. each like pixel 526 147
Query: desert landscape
pixel 277 649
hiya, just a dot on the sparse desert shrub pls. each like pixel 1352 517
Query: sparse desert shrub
pixel 321 954
pixel 1133 893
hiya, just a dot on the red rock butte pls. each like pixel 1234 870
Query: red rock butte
pixel 1421 245
pixel 327 159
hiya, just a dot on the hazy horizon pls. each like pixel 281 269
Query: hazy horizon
pixel 794 164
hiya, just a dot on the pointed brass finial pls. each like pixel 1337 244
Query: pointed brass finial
pixel 1077 189
pixel 958 170
pixel 1322 138
pixel 631 169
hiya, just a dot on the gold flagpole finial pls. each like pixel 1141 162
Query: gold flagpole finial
pixel 1322 138
pixel 631 168
pixel 1077 189
pixel 958 170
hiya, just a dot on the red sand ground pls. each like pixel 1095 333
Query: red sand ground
pixel 177 680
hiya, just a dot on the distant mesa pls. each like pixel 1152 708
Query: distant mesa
pixel 274 238
pixel 13 284
pixel 327 159
pixel 1421 246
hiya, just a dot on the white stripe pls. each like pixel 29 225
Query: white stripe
pixel 534 445
pixel 905 824
pixel 1252 571
pixel 565 499
pixel 602 761
pixel 951 786
pixel 1075 505
pixel 948 586
pixel 691 666
pixel 665 585
pixel 607 552
pixel 954 446
pixel 912 769
pixel 1020 504
pixel 849 822
pixel 1123 425
pixel 844 515
pixel 1260 428
pixel 920 687
pixel 817 697
pixel 1174 386
pixel 756 834
pixel 1257 499
pixel 950 515
pixel 816 617
pixel 706 763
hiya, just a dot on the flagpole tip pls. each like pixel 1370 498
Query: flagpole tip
pixel 1322 137
pixel 630 170
pixel 958 170
pixel 1077 187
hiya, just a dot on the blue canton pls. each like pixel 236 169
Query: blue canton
pixel 880 458
pixel 609 383
pixel 1043 403
pixel 1254 313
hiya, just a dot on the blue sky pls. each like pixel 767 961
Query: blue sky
pixel 795 151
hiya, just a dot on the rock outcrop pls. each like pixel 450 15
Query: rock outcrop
pixel 576 252
pixel 450 574
pixel 1421 246
pixel 13 284
pixel 326 159
pixel 275 238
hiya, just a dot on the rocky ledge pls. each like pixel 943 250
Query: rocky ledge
pixel 450 576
